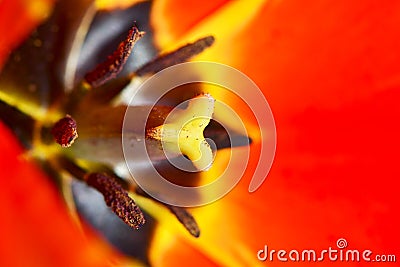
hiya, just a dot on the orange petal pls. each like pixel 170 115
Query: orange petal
pixel 35 228
pixel 116 4
pixel 173 19
pixel 14 29
pixel 331 75
pixel 281 46
pixel 178 249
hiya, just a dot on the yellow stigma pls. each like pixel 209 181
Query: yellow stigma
pixel 182 131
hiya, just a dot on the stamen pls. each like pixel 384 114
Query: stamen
pixel 180 55
pixel 109 91
pixel 186 219
pixel 183 216
pixel 117 199
pixel 110 68
pixel 65 131
pixel 115 196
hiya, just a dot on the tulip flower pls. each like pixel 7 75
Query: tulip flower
pixel 329 71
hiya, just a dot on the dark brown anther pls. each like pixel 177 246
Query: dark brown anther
pixel 180 55
pixel 65 131
pixel 108 91
pixel 186 219
pixel 183 216
pixel 117 199
pixel 110 68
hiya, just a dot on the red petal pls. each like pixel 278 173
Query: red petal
pixel 35 228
